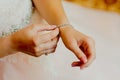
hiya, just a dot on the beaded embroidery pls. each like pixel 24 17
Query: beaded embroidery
pixel 23 22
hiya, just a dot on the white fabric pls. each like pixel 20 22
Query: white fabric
pixel 14 15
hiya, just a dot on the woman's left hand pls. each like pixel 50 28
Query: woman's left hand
pixel 81 45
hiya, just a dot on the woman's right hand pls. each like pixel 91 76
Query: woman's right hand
pixel 32 41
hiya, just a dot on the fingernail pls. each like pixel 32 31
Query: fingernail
pixel 74 65
pixel 84 59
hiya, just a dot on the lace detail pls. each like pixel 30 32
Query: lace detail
pixel 15 16
pixel 14 28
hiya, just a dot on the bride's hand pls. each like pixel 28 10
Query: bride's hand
pixel 32 41
pixel 81 45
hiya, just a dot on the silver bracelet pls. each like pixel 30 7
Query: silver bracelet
pixel 63 25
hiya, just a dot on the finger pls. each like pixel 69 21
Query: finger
pixel 91 55
pixel 47 45
pixel 90 60
pixel 56 39
pixel 82 66
pixel 80 55
pixel 47 37
pixel 76 64
pixel 42 27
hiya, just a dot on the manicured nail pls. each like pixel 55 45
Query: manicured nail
pixel 75 64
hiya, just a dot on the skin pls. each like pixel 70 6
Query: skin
pixel 34 42
pixel 81 45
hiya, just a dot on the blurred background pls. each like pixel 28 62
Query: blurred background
pixel 107 5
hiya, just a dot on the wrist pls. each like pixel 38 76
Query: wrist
pixel 8 49
pixel 63 27
pixel 65 30
pixel 12 46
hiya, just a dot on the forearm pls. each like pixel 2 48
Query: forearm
pixel 5 47
pixel 52 11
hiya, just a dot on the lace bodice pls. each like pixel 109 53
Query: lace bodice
pixel 14 15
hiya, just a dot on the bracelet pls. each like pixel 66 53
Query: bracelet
pixel 63 25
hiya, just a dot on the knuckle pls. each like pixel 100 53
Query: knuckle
pixel 37 55
pixel 53 51
pixel 36 51
pixel 35 40
pixel 54 46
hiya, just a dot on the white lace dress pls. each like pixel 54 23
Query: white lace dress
pixel 14 15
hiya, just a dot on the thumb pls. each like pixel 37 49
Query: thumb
pixel 79 53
